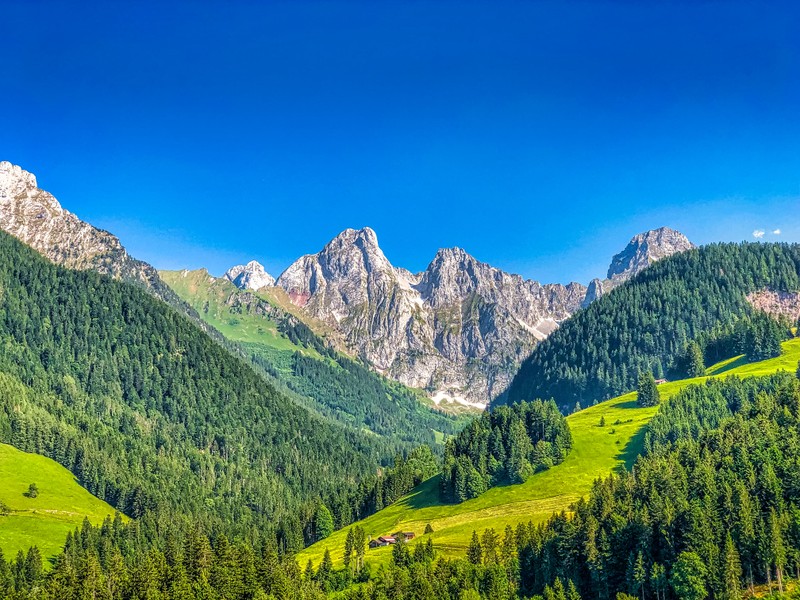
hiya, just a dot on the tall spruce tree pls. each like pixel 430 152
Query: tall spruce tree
pixel 647 393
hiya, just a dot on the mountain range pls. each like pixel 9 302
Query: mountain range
pixel 459 329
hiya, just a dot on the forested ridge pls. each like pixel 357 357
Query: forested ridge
pixel 646 324
pixel 150 414
pixel 712 508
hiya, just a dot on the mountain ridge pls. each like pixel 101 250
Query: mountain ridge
pixel 459 328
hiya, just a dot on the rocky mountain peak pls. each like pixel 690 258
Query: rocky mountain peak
pixel 251 276
pixel 354 249
pixel 36 218
pixel 15 180
pixel 644 249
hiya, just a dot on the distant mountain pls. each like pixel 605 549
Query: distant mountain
pixel 251 276
pixel 308 365
pixel 35 217
pixel 645 249
pixel 460 328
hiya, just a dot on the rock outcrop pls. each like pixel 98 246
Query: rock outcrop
pixel 458 329
pixel 644 249
pixel 37 219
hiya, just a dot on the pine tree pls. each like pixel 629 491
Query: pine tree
pixel 639 575
pixel 349 542
pixel 323 521
pixel 657 579
pixel 474 550
pixel 572 591
pixel 648 394
pixel 731 569
pixel 325 571
pixel 688 577
pixel 694 360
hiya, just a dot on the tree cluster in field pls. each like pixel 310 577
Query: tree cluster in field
pixel 151 414
pixel 757 336
pixel 504 446
pixel 647 393
pixel 712 508
pixel 645 324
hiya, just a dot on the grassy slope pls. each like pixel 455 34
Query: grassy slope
pixel 596 452
pixel 196 288
pixel 43 521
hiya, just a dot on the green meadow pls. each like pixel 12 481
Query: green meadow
pixel 44 521
pixel 597 451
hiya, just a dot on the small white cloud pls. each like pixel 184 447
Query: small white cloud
pixel 776 232
pixel 758 234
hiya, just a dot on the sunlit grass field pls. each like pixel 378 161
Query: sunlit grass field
pixel 596 452
pixel 44 521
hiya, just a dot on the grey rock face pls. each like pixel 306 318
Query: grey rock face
pixel 37 219
pixel 458 330
pixel 644 249
pixel 251 276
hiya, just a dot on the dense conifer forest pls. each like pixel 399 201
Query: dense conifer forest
pixel 646 324
pixel 151 414
pixel 714 501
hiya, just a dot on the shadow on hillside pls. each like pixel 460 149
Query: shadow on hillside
pixel 739 362
pixel 426 495
pixel 632 449
pixel 627 404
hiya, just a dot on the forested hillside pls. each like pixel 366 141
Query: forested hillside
pixel 646 324
pixel 153 416
pixel 712 508
pixel 506 445
pixel 319 376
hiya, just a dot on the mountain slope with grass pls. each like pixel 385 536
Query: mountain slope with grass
pixel 596 452
pixel 309 365
pixel 60 504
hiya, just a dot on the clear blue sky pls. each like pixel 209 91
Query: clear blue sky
pixel 539 136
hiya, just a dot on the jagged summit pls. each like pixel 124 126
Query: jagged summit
pixel 644 249
pixel 36 218
pixel 251 276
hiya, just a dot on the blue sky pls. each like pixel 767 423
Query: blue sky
pixel 539 136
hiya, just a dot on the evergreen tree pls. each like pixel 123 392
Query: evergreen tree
pixel 694 360
pixel 647 393
pixel 349 544
pixel 474 550
pixel 323 521
pixel 688 577
pixel 731 570
pixel 325 571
